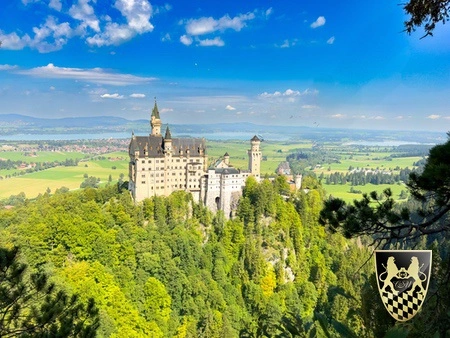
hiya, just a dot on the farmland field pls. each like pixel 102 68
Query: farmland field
pixel 343 191
pixel 71 177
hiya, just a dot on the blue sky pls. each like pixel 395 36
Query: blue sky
pixel 307 63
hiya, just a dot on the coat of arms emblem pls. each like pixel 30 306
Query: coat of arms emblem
pixel 403 277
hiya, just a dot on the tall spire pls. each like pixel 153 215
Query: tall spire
pixel 155 111
pixel 155 120
pixel 168 134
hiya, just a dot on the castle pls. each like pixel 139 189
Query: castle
pixel 160 165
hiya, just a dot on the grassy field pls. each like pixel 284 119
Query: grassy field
pixel 41 156
pixel 343 191
pixel 71 177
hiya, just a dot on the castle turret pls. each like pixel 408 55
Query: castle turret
pixel 254 157
pixel 155 121
pixel 168 141
pixel 226 158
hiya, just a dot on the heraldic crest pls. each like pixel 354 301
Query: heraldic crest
pixel 403 277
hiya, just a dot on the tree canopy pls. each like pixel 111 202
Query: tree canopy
pixel 426 13
pixel 30 306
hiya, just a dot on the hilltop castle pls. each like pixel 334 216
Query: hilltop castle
pixel 160 165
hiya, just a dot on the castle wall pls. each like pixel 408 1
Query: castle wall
pixel 162 176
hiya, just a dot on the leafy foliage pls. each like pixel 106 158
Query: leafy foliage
pixel 30 306
pixel 169 267
pixel 426 13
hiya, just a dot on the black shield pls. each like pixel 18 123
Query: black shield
pixel 403 277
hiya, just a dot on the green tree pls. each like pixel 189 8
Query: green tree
pixel 157 302
pixel 426 13
pixel 33 307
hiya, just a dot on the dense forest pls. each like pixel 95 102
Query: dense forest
pixel 168 267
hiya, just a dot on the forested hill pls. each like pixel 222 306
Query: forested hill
pixel 169 268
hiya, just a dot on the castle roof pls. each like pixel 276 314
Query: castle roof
pixel 226 154
pixel 168 135
pixel 153 146
pixel 226 171
pixel 255 138
pixel 155 111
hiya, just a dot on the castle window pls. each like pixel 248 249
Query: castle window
pixel 184 160
pixel 143 182
pixel 149 161
pixel 143 176
pixel 162 161
pixel 157 168
pixel 178 160
pixel 143 161
pixel 157 161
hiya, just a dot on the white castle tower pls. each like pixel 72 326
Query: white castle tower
pixel 254 158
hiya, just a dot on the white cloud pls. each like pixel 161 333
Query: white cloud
pixel 287 43
pixel 137 96
pixel 13 41
pixel 209 25
pixel 8 67
pixel 49 36
pixel 239 113
pixel 98 30
pixel 217 41
pixel 84 12
pixel 309 106
pixel 433 117
pixel 228 107
pixel 288 92
pixel 338 116
pixel 166 110
pixel 319 22
pixel 111 96
pixel 330 41
pixel 137 14
pixel 446 117
pixel 378 117
pixel 186 40
pixel 166 37
pixel 55 4
pixel 93 75
pixel 52 88
pixel 269 11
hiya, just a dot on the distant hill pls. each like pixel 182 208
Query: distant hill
pixel 15 124
pixel 66 122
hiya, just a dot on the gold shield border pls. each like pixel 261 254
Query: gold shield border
pixel 393 314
